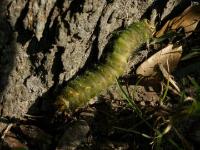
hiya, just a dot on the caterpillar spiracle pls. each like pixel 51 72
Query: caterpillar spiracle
pixel 91 83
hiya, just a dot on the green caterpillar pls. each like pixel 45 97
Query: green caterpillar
pixel 91 83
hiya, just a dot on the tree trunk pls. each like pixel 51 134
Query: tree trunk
pixel 45 43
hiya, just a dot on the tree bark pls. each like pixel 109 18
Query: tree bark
pixel 45 43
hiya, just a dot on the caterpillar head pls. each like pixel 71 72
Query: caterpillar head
pixel 150 25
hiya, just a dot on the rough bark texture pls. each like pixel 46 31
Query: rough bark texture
pixel 47 42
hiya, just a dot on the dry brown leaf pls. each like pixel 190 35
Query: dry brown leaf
pixel 188 20
pixel 11 140
pixel 168 55
pixel 168 77
pixel 6 130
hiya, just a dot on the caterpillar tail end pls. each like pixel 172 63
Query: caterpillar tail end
pixel 61 105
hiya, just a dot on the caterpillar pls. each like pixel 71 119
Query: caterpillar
pixel 92 82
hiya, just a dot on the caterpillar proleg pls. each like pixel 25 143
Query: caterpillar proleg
pixel 91 83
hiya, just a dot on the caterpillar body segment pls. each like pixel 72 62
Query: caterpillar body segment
pixel 92 82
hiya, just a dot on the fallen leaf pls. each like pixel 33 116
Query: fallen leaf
pixel 168 77
pixel 13 142
pixel 188 20
pixel 168 55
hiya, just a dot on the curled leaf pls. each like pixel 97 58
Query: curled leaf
pixel 188 20
pixel 168 55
